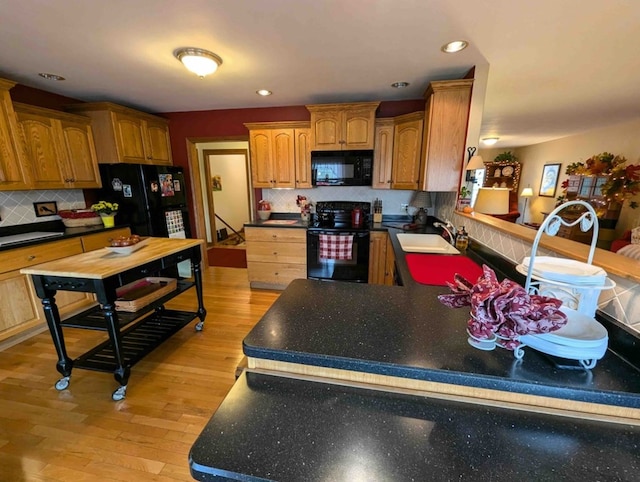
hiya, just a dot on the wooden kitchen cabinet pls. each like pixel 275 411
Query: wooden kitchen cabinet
pixel 280 155
pixel 446 118
pixel 337 127
pixel 381 259
pixel 59 148
pixel 275 256
pixel 397 153
pixel 20 309
pixel 124 135
pixel 13 173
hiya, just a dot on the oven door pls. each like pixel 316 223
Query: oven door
pixel 348 264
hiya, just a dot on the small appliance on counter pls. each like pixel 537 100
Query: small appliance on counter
pixel 264 210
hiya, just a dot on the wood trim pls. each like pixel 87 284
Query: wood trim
pixel 341 106
pixel 482 396
pixel 278 125
pixel 197 202
pixel 612 263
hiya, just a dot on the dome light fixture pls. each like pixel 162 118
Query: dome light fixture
pixel 44 75
pixel 264 92
pixel 199 61
pixel 400 85
pixel 455 46
pixel 489 141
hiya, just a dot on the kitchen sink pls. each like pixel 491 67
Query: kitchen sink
pixel 425 243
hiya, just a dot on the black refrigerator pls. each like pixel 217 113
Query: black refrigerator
pixel 151 201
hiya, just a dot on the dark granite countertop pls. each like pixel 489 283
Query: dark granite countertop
pixel 408 333
pixel 49 226
pixel 276 428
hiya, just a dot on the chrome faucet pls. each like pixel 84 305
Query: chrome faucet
pixel 446 225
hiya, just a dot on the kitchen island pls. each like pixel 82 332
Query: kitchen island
pixel 379 383
pixel 131 335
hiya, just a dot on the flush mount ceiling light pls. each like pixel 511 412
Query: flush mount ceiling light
pixel 44 75
pixel 400 85
pixel 199 61
pixel 489 141
pixel 455 46
pixel 264 92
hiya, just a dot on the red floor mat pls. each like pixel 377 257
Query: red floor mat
pixel 437 269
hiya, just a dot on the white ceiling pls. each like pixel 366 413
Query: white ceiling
pixel 555 67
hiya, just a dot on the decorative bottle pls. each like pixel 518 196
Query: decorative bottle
pixel 462 239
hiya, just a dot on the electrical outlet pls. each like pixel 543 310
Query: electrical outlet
pixel 404 207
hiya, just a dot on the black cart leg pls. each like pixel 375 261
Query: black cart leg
pixel 122 371
pixel 51 314
pixel 202 312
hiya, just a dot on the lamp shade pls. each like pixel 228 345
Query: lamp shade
pixel 421 199
pixel 526 192
pixel 475 162
pixel 492 201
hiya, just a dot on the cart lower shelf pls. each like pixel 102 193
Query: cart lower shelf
pixel 137 340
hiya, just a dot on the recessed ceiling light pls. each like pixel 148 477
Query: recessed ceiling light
pixel 264 92
pixel 199 61
pixel 489 141
pixel 400 85
pixel 455 46
pixel 51 76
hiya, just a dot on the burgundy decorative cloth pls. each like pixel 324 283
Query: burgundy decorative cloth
pixel 503 309
pixel 336 246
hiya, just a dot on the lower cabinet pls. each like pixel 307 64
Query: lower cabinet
pixel 21 311
pixel 275 256
pixel 381 259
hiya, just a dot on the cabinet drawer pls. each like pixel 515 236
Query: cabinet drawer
pixel 291 235
pixel 275 274
pixel 280 252
pixel 92 242
pixel 19 258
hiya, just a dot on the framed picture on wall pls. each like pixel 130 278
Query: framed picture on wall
pixel 549 182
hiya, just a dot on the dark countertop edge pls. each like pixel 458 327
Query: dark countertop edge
pixel 618 399
pixel 50 226
pixel 197 470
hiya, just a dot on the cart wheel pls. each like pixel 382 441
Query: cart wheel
pixel 119 394
pixel 62 383
pixel 199 326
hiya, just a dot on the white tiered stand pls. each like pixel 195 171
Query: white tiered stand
pixel 581 298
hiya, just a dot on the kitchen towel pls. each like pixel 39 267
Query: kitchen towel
pixel 437 269
pixel 336 246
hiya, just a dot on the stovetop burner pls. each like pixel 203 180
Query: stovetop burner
pixel 337 215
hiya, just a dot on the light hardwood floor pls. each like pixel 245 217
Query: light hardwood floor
pixel 80 434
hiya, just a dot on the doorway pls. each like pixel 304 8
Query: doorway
pixel 226 175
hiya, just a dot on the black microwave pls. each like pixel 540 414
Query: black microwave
pixel 341 168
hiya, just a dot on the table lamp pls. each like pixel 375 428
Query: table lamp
pixel 492 200
pixel 526 193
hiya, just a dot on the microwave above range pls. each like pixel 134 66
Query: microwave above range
pixel 342 168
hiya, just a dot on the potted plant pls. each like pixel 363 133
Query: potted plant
pixel 506 156
pixel 107 212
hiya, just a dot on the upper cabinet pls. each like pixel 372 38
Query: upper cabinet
pixel 337 127
pixel 124 135
pixel 397 154
pixel 13 172
pixel 446 118
pixel 59 148
pixel 280 155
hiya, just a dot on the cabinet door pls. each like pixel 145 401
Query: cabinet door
pixel 158 147
pixel 406 155
pixel 80 154
pixel 42 146
pixel 390 265
pixel 326 130
pixel 303 157
pixel 358 128
pixel 446 118
pixel 260 150
pixel 377 257
pixel 12 174
pixel 282 141
pixel 383 155
pixel 129 133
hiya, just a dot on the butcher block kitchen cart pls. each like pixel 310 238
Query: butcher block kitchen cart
pixel 131 335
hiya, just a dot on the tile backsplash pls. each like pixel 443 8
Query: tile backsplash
pixel 16 207
pixel 284 200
